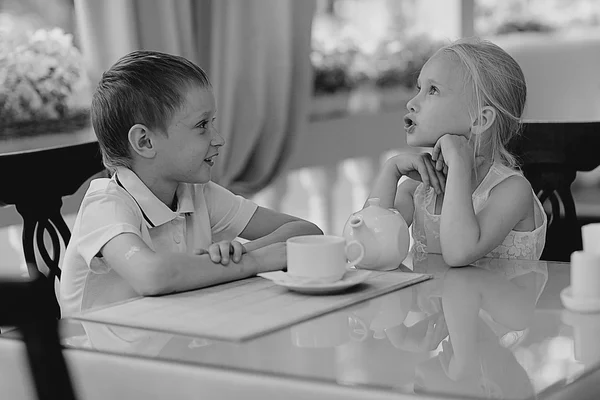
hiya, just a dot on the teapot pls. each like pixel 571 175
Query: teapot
pixel 383 234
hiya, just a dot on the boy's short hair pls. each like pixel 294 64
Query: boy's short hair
pixel 143 87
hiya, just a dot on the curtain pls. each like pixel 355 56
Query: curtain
pixel 256 53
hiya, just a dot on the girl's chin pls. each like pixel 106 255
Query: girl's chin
pixel 418 142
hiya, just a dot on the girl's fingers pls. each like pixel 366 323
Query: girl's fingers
pixel 436 153
pixel 433 178
pixel 423 172
pixel 439 163
pixel 442 179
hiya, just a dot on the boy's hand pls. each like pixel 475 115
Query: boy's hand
pixel 419 167
pixel 224 251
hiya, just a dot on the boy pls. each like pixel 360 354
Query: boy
pixel 159 225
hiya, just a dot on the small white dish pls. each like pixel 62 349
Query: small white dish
pixel 350 278
pixel 581 305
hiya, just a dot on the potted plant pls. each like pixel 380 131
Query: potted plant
pixel 44 86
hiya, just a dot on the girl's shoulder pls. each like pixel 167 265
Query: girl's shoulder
pixel 503 181
pixel 500 174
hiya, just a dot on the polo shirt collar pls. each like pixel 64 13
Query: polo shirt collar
pixel 155 212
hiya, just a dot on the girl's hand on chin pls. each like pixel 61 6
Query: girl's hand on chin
pixel 419 167
pixel 451 148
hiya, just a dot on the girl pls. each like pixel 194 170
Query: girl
pixel 467 200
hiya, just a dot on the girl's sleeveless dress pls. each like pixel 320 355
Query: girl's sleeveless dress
pixel 519 247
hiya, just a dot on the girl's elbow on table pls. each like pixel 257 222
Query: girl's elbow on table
pixel 458 256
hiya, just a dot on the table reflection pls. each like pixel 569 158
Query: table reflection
pixel 490 370
pixel 486 311
pixel 457 334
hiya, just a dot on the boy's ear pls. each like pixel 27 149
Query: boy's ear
pixel 484 121
pixel 141 140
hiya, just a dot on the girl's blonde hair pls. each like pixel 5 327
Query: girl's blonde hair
pixel 496 80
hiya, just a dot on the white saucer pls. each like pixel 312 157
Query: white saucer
pixel 579 305
pixel 350 279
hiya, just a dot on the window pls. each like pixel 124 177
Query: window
pixel 365 46
pixel 497 17
pixel 385 42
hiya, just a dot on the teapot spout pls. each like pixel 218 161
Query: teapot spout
pixel 356 222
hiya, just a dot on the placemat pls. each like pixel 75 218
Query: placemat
pixel 240 310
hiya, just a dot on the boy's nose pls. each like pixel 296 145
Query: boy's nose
pixel 217 139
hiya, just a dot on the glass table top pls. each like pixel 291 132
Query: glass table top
pixel 472 332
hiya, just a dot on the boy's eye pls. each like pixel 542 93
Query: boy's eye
pixel 433 90
pixel 204 123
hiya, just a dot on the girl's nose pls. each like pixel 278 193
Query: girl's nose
pixel 412 105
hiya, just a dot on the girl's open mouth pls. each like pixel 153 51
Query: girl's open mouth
pixel 409 124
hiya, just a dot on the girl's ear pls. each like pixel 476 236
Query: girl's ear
pixel 484 121
pixel 141 141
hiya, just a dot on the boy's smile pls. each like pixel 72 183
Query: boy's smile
pixel 440 106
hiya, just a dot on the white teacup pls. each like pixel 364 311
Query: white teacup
pixel 320 258
pixel 585 275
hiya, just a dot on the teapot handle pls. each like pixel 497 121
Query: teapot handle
pixel 352 263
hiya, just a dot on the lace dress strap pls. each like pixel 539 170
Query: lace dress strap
pixel 497 174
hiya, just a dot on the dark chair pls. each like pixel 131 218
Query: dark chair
pixel 550 155
pixel 28 305
pixel 36 184
pixel 561 132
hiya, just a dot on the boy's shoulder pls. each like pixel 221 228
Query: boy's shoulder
pixel 106 191
pixel 211 189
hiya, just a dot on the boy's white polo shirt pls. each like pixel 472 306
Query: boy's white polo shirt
pixel 206 213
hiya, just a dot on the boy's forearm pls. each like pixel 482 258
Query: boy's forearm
pixel 283 233
pixel 459 228
pixel 178 272
pixel 386 185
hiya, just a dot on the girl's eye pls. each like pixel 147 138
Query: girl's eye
pixel 433 90
pixel 202 124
